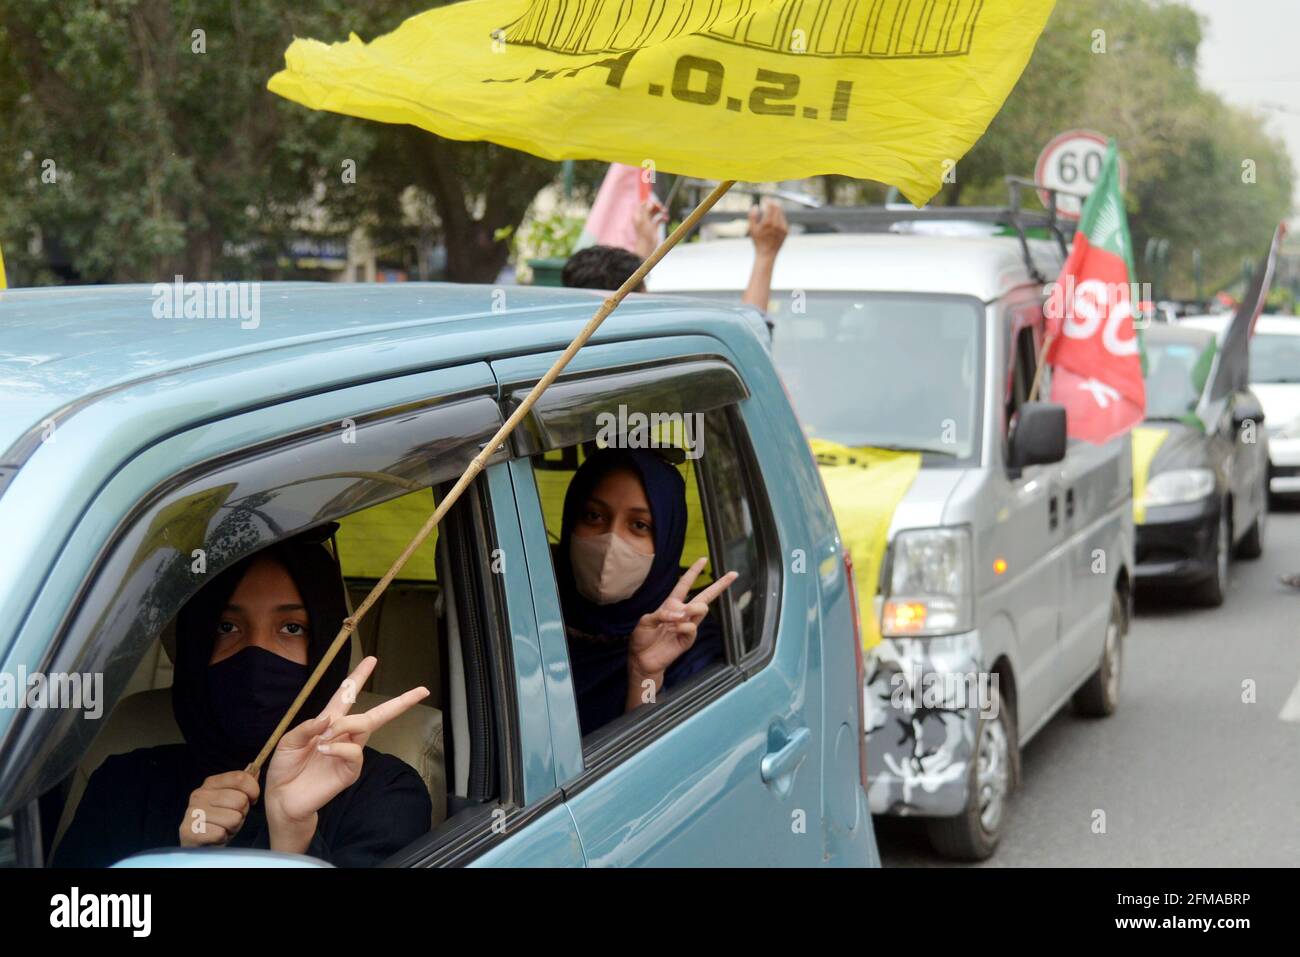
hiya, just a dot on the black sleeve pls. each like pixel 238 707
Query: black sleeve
pixel 107 826
pixel 388 809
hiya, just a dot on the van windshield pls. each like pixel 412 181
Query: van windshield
pixel 901 371
pixel 1274 358
pixel 1175 376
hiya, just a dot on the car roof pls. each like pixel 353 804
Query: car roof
pixel 1178 332
pixel 980 266
pixel 1270 325
pixel 64 345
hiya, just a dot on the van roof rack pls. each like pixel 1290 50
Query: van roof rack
pixel 874 219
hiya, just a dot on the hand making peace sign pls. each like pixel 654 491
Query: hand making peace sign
pixel 320 758
pixel 668 632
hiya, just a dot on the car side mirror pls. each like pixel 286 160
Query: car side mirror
pixel 1039 438
pixel 1247 409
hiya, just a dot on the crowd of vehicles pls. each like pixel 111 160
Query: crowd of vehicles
pixel 1044 537
pixel 1014 551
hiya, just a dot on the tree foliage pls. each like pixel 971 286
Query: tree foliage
pixel 134 148
pixel 126 154
pixel 1201 173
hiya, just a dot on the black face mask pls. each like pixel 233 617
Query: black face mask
pixel 249 693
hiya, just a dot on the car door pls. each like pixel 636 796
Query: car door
pixel 1095 480
pixel 726 770
pixel 1027 529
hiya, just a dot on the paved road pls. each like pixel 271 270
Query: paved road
pixel 1187 773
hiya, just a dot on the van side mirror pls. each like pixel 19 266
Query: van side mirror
pixel 1039 438
pixel 1247 409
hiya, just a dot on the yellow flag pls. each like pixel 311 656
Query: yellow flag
pixel 2 269
pixel 760 90
pixel 865 485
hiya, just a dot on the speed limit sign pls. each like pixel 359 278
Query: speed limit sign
pixel 1072 162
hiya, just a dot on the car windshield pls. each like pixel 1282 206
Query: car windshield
pixel 900 371
pixel 1274 358
pixel 1174 379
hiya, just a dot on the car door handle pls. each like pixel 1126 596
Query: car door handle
pixel 1053 512
pixel 782 761
pixel 1069 503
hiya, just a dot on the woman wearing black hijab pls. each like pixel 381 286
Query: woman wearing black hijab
pixel 632 629
pixel 245 645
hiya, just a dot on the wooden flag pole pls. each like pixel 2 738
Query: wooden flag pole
pixel 480 460
pixel 1042 362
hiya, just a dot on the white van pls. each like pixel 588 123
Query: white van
pixel 930 343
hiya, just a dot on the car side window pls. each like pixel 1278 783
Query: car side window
pixel 727 522
pixel 441 623
pixel 1022 363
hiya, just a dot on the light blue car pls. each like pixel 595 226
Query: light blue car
pixel 151 436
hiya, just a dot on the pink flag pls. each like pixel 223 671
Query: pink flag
pixel 611 221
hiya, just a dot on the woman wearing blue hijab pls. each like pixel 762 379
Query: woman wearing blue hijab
pixel 632 627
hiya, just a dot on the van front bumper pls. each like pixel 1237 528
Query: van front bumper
pixel 920 726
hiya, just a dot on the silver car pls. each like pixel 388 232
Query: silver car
pixel 1006 588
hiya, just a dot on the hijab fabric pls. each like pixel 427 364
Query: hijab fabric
pixel 665 490
pixel 598 634
pixel 224 724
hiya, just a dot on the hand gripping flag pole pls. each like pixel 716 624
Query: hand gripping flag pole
pixel 472 470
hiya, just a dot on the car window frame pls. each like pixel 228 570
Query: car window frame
pixel 610 746
pixel 550 423
pixel 396 417
pixel 473 831
pixel 1014 323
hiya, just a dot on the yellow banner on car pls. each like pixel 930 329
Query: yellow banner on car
pixel 368 540
pixel 1146 442
pixel 865 486
pixel 759 90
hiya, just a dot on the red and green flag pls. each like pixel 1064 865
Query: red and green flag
pixel 1094 349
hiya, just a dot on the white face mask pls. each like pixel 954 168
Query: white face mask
pixel 606 568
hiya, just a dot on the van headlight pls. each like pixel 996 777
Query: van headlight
pixel 1179 486
pixel 929 584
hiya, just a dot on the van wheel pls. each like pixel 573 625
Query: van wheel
pixel 1099 695
pixel 1214 589
pixel 973 835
